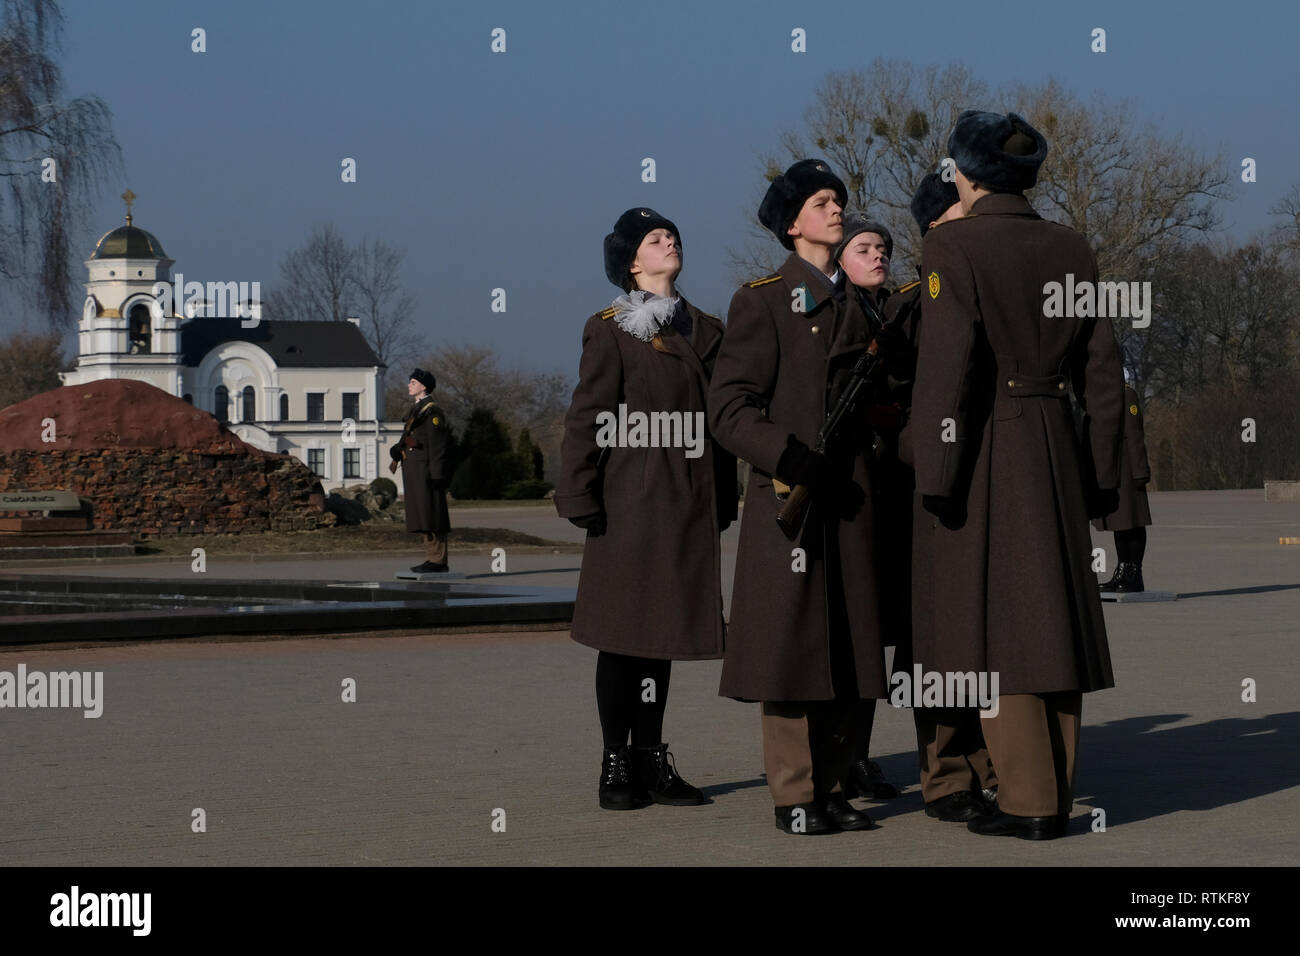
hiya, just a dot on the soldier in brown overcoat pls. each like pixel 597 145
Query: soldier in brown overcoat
pixel 640 472
pixel 422 452
pixel 957 778
pixel 1130 518
pixel 864 254
pixel 804 635
pixel 1003 585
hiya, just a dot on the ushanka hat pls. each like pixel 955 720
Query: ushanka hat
pixel 789 191
pixel 933 197
pixel 425 378
pixel 621 244
pixel 1000 152
pixel 855 224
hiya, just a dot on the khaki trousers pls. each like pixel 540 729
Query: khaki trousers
pixel 435 548
pixel 1033 742
pixel 807 748
pixel 950 744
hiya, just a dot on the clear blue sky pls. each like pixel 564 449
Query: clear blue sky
pixel 508 170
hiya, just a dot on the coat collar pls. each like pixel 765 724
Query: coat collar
pixel 849 329
pixel 796 272
pixel 1003 204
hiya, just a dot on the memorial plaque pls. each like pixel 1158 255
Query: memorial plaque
pixel 39 501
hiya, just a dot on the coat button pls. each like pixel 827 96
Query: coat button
pixel 815 329
pixel 1011 383
pixel 1060 386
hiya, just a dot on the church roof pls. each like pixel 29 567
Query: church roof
pixel 301 344
pixel 128 242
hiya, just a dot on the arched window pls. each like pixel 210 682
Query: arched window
pixel 284 408
pixel 221 405
pixel 247 405
pixel 188 398
pixel 139 329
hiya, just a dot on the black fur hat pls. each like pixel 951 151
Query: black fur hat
pixel 789 191
pixel 1000 152
pixel 621 244
pixel 933 197
pixel 425 378
pixel 855 224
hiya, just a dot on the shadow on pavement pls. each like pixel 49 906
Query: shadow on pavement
pixel 1134 771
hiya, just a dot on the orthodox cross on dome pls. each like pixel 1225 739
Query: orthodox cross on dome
pixel 130 198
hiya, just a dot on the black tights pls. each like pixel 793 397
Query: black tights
pixel 1131 545
pixel 863 721
pixel 623 699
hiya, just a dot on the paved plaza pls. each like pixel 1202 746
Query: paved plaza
pixel 449 732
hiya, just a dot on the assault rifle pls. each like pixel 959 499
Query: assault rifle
pixel 791 516
pixel 408 440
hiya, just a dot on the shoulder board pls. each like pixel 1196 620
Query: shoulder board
pixel 949 222
pixel 907 288
pixel 608 313
pixel 755 283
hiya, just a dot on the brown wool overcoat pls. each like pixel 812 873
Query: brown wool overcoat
pixel 893 482
pixel 773 378
pixel 424 470
pixel 1002 576
pixel 1134 510
pixel 651 584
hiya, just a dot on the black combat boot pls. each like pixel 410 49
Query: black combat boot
pixel 618 790
pixel 653 770
pixel 866 779
pixel 1127 579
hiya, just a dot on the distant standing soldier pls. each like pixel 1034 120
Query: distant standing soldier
pixel 422 451
pixel 957 778
pixel 1130 519
pixel 1007 587
pixel 804 637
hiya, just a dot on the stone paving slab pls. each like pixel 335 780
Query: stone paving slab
pixel 446 729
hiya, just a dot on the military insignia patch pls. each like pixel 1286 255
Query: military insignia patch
pixel 1132 409
pixel 934 285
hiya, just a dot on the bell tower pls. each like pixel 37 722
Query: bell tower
pixel 123 332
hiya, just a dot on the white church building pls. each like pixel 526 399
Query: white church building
pixel 312 389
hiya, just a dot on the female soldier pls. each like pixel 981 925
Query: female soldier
pixel 653 504
pixel 864 255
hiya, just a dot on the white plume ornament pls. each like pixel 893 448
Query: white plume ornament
pixel 641 314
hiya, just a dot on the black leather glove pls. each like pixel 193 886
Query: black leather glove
pixel 800 465
pixel 593 524
pixel 395 452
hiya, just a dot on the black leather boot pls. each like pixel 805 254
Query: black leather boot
pixel 618 791
pixel 1131 582
pixel 653 770
pixel 867 780
pixel 1118 578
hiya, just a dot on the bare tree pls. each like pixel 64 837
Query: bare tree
pixel 29 364
pixel 319 279
pixel 471 377
pixel 1132 191
pixel 54 156
pixel 383 305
